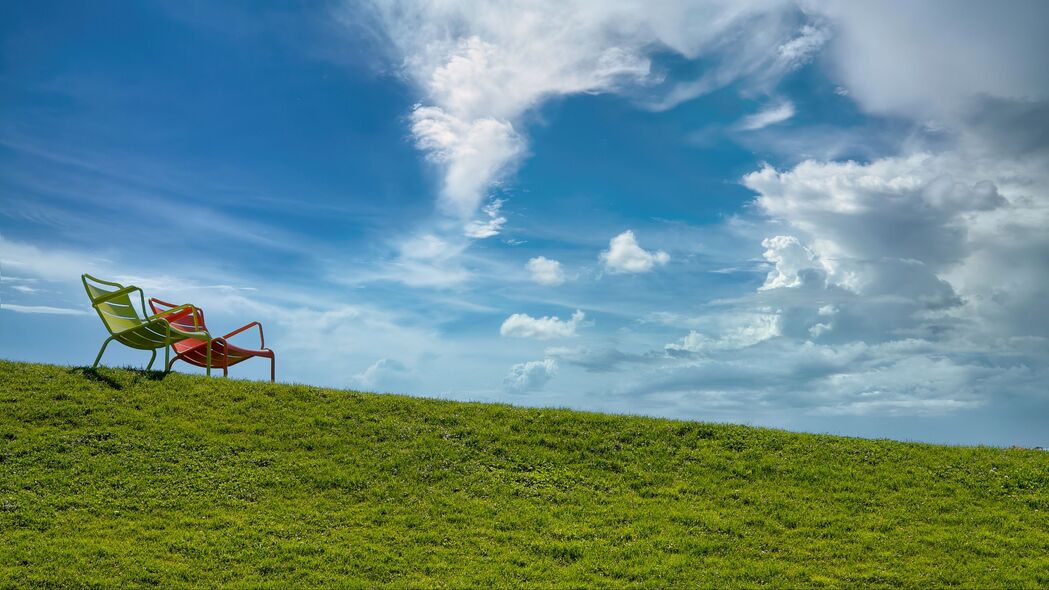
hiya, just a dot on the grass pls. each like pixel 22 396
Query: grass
pixel 120 477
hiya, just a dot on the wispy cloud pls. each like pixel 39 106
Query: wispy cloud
pixel 489 227
pixel 45 309
pixel 770 115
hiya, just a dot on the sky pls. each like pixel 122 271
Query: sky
pixel 820 216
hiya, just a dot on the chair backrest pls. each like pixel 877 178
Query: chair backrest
pixel 184 322
pixel 118 313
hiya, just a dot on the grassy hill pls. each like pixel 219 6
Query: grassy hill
pixel 127 477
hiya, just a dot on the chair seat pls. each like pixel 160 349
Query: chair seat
pixel 223 354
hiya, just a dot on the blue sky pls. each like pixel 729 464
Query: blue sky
pixel 808 215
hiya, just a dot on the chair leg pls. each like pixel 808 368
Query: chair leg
pixel 103 349
pixel 172 363
pixel 153 357
pixel 167 355
pixel 208 371
pixel 273 368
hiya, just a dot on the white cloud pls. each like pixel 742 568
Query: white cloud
pixel 530 376
pixel 625 255
pixel 43 309
pixel 929 59
pixel 790 261
pixel 46 263
pixel 820 328
pixel 601 360
pixel 802 48
pixel 386 374
pixel 736 331
pixel 473 153
pixel 522 325
pixel 904 377
pixel 428 260
pixel 904 286
pixel 771 115
pixel 487 228
pixel 480 67
pixel 479 84
pixel 759 47
pixel 546 271
pixel 943 247
pixel 863 224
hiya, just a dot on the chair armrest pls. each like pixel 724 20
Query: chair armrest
pixel 179 311
pixel 199 335
pixel 262 338
pixel 163 324
pixel 117 293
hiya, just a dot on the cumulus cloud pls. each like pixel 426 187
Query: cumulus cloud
pixel 826 314
pixel 387 374
pixel 770 115
pixel 904 286
pixel 868 225
pixel 529 376
pixel 909 281
pixel 736 331
pixel 546 271
pixel 625 255
pixel 889 228
pixel 930 59
pixel 521 325
pixel 792 263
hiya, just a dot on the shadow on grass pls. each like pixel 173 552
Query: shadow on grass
pixel 93 375
pixel 98 377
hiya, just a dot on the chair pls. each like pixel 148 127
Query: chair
pixel 113 303
pixel 220 353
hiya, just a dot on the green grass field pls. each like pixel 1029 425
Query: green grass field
pixel 121 477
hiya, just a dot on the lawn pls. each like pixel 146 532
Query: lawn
pixel 121 477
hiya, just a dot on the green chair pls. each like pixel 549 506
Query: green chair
pixel 113 303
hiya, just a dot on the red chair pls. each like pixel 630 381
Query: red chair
pixel 223 354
